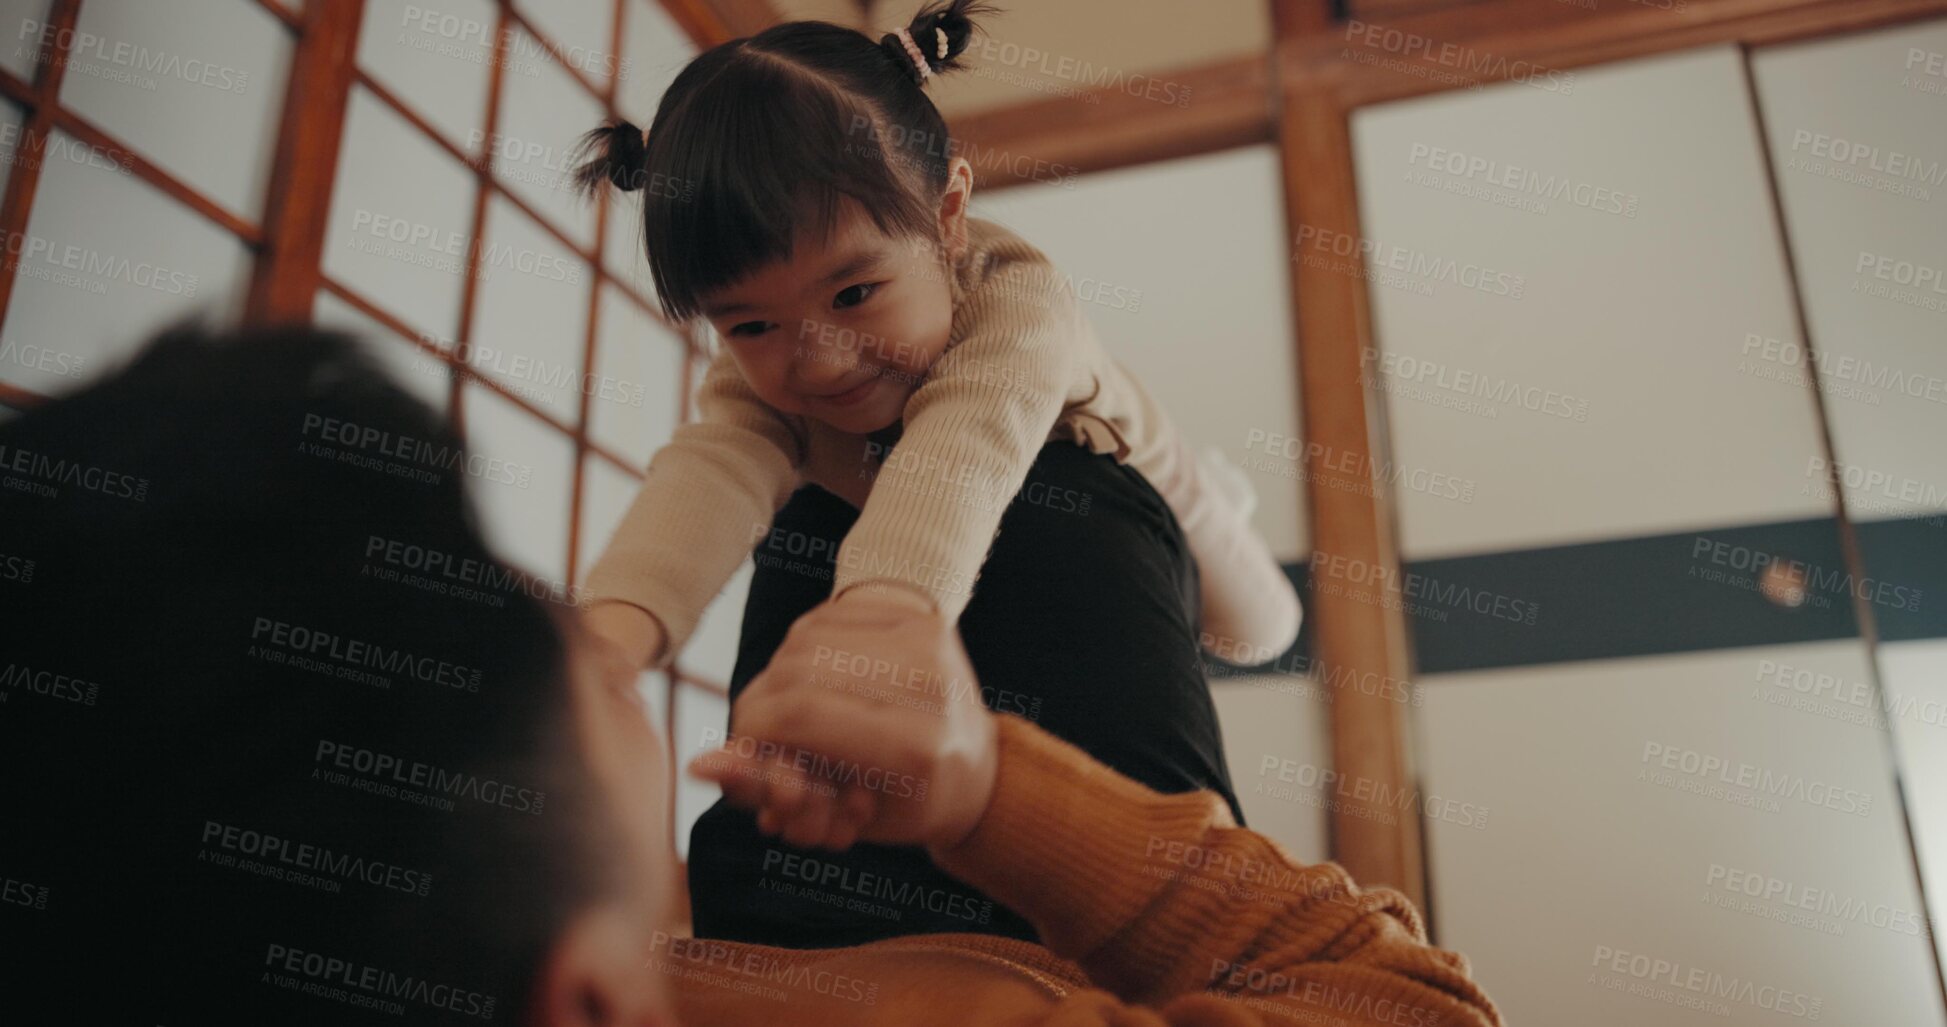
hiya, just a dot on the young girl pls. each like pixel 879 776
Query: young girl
pixel 801 194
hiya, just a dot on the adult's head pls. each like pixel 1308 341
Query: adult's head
pixel 282 740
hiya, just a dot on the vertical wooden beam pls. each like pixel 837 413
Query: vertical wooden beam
pixel 289 267
pixel 1353 632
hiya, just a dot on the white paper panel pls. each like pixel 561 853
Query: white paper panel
pixel 1572 367
pixel 542 116
pixel 1192 297
pixel 197 88
pixel 1687 809
pixel 522 483
pixel 1276 739
pixel 655 50
pixel 581 29
pixel 1858 129
pixel 108 261
pixel 622 242
pixel 25 23
pixel 532 322
pixel 605 495
pixel 401 218
pixel 637 388
pixel 434 55
pixel 1916 708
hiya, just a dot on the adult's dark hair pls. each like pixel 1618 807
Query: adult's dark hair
pixel 264 763
pixel 758 139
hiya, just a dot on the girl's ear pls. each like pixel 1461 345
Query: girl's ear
pixel 953 206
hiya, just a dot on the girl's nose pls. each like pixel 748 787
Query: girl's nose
pixel 819 360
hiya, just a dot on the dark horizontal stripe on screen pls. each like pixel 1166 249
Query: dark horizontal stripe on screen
pixel 1689 591
pixel 1682 592
pixel 1910 553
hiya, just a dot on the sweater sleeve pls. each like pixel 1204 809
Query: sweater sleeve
pixel 1163 901
pixel 709 495
pixel 971 431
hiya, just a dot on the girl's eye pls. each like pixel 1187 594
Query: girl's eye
pixel 854 295
pixel 750 328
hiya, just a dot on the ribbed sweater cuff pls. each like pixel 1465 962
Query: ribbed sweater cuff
pixel 661 658
pixel 1065 838
pixel 613 583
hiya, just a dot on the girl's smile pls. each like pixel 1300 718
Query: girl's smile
pixel 844 329
pixel 851 396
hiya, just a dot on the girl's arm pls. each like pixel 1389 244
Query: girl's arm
pixel 708 496
pixel 971 431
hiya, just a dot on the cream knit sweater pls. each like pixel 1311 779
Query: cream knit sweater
pixel 1022 365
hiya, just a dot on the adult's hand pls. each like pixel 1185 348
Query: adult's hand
pixel 867 725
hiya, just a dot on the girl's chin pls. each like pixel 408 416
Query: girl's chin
pixel 876 413
pixel 860 422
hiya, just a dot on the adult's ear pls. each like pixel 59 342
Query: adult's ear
pixel 600 972
pixel 954 207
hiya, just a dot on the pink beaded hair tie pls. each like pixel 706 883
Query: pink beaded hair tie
pixel 919 59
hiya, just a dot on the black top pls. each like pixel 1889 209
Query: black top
pixel 1084 620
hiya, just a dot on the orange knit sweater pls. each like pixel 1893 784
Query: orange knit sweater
pixel 1157 910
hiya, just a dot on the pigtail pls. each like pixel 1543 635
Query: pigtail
pixel 616 154
pixel 940 33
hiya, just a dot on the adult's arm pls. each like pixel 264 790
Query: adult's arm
pixel 707 497
pixel 1167 904
pixel 1161 898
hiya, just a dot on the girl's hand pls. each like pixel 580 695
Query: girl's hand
pixel 867 725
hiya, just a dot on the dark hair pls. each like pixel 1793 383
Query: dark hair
pixel 759 138
pixel 194 612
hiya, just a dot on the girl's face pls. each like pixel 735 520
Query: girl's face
pixel 841 332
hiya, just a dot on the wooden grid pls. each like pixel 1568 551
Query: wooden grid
pixel 288 243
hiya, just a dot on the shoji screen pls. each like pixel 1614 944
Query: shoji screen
pixel 1563 281
pixel 140 179
pixel 1858 133
pixel 457 245
pixel 1181 270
